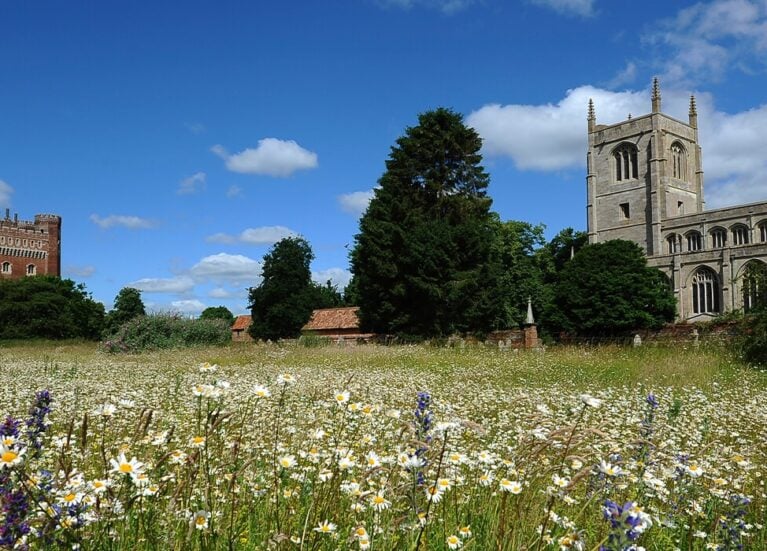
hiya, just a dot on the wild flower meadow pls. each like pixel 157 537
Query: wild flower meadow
pixel 381 448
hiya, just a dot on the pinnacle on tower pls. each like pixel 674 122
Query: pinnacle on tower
pixel 529 320
pixel 655 95
pixel 693 113
pixel 592 118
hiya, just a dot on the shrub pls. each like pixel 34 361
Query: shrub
pixel 752 342
pixel 167 330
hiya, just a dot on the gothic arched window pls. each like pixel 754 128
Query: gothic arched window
pixel 6 269
pixel 678 161
pixel 31 270
pixel 763 232
pixel 718 238
pixel 740 234
pixel 626 163
pixel 754 285
pixel 705 292
pixel 672 244
pixel 694 241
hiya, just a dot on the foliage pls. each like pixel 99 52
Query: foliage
pixel 47 307
pixel 331 448
pixel 607 288
pixel 218 313
pixel 517 271
pixel 128 305
pixel 752 342
pixel 326 296
pixel 167 330
pixel 420 260
pixel 284 300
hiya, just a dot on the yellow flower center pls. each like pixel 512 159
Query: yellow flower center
pixel 69 497
pixel 200 520
pixel 126 468
pixel 198 439
pixel 9 456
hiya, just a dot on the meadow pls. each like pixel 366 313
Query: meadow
pixel 412 447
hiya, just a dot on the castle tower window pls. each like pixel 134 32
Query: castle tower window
pixel 6 268
pixel 718 238
pixel 740 235
pixel 626 163
pixel 705 292
pixel 31 270
pixel 680 207
pixel 694 241
pixel 672 244
pixel 763 232
pixel 754 286
pixel 678 161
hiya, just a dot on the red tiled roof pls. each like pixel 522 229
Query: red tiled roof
pixel 333 318
pixel 241 323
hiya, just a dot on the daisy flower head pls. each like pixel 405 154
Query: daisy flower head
pixel 360 532
pixel 105 410
pixel 342 397
pixel 99 486
pixel 325 527
pixel 511 486
pixel 608 469
pixel 373 460
pixel 8 440
pixel 454 542
pixel 260 391
pixel 465 531
pixel 122 466
pixel 286 461
pixel 197 441
pixel 208 368
pixel 286 379
pixel 433 493
pixel 590 401
pixel 200 519
pixel 364 543
pixel 694 470
pixel 9 457
pixel 379 502
pixel 560 481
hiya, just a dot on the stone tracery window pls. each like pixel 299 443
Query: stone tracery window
pixel 678 161
pixel 625 159
pixel 754 285
pixel 672 244
pixel 694 241
pixel 705 291
pixel 718 238
pixel 740 234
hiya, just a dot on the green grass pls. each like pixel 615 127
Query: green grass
pixel 501 415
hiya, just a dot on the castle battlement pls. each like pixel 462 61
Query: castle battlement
pixel 30 247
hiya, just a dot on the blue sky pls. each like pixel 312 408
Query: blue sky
pixel 179 141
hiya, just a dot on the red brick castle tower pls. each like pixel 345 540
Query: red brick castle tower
pixel 30 248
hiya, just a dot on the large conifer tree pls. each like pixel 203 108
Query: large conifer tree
pixel 421 257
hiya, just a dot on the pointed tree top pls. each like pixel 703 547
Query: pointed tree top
pixel 592 111
pixel 693 107
pixel 529 320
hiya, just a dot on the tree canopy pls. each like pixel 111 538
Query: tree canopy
pixel 607 288
pixel 217 313
pixel 283 302
pixel 128 305
pixel 48 307
pixel 420 260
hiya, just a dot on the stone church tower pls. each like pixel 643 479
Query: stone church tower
pixel 645 184
pixel 640 172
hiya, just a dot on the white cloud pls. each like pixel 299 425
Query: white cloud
pixel 5 194
pixel 356 202
pixel 234 191
pixel 178 284
pixel 192 184
pixel 219 292
pixel 189 306
pixel 265 235
pixel 702 42
pixel 625 76
pixel 228 268
pixel 272 157
pixel 553 137
pixel 79 271
pixel 583 8
pixel 337 276
pixel 130 222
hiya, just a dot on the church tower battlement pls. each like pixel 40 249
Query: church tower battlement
pixel 641 172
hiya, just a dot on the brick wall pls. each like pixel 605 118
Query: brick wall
pixel 30 247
